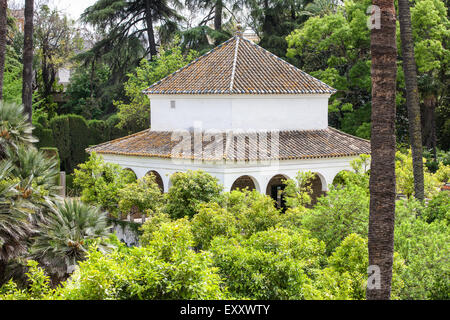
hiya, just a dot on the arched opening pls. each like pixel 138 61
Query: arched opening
pixel 158 179
pixel 339 179
pixel 131 170
pixel 244 182
pixel 316 188
pixel 275 189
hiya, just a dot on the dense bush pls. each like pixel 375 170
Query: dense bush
pixel 342 212
pixel 101 182
pixel 260 274
pixel 239 212
pixel 45 136
pixel 212 221
pixel 425 248
pixel 345 276
pixel 143 196
pixel 438 208
pixel 188 190
pixel 405 177
pixel 253 211
pixel 164 269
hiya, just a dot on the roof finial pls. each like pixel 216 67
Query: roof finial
pixel 238 29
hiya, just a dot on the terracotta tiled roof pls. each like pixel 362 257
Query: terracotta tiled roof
pixel 239 66
pixel 326 143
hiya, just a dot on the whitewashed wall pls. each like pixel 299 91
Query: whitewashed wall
pixel 257 112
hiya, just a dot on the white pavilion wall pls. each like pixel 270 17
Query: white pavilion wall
pixel 247 112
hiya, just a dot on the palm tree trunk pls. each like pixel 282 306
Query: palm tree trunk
pixel 150 32
pixel 382 178
pixel 27 89
pixel 412 96
pixel 3 28
pixel 218 15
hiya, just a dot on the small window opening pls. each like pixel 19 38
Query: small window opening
pixel 172 104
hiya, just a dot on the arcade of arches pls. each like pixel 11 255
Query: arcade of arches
pixel 274 187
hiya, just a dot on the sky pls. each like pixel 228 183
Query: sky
pixel 73 8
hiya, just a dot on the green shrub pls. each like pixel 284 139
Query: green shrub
pixel 438 208
pixel 212 221
pixel 253 211
pixel 188 190
pixel 298 245
pixel 38 289
pixel 98 131
pixel 71 137
pixel 258 273
pixel 138 273
pixel 425 248
pixel 342 212
pixel 44 135
pixel 101 182
pixel 345 276
pixel 143 195
pixel 151 225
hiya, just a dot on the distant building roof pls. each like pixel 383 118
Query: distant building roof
pixel 239 66
pixel 305 144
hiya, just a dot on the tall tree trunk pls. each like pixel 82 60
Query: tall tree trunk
pixel 382 178
pixel 150 32
pixel 3 28
pixel 218 15
pixel 412 96
pixel 27 90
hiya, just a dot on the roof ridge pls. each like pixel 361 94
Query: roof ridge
pixel 233 70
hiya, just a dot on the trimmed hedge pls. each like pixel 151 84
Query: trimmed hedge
pixel 71 134
pixel 44 135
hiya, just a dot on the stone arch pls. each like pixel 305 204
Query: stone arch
pixel 129 169
pixel 158 179
pixel 338 178
pixel 245 181
pixel 318 186
pixel 275 188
